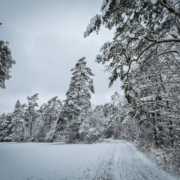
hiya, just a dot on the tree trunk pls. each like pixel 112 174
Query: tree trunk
pixel 154 130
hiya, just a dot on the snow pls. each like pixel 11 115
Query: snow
pixel 105 7
pixel 104 4
pixel 148 98
pixel 91 26
pixel 110 160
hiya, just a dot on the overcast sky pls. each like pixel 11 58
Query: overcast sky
pixel 46 40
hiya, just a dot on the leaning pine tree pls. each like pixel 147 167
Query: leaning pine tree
pixel 77 102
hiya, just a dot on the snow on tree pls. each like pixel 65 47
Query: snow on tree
pixel 145 30
pixel 92 126
pixel 156 96
pixel 118 120
pixel 113 117
pixel 51 109
pixel 31 116
pixel 50 113
pixel 6 127
pixel 6 62
pixel 77 101
pixel 144 54
pixel 18 122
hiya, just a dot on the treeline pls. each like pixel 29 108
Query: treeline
pixel 73 120
pixel 29 123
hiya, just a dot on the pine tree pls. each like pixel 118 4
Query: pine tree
pixel 51 110
pixel 6 127
pixel 18 122
pixel 144 54
pixel 92 126
pixel 6 62
pixel 145 30
pixel 31 115
pixel 49 113
pixel 77 101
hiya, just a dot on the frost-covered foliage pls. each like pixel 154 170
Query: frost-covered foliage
pixel 118 120
pixel 6 62
pixel 6 127
pixel 113 120
pixel 77 102
pixel 18 122
pixel 49 113
pixel 144 31
pixel 31 117
pixel 154 96
pixel 144 54
pixel 26 123
pixel 92 127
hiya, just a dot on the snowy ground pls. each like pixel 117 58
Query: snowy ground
pixel 110 160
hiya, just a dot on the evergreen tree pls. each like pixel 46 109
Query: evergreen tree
pixel 92 127
pixel 144 54
pixel 145 30
pixel 49 113
pixel 6 62
pixel 6 127
pixel 51 110
pixel 30 116
pixel 77 101
pixel 18 122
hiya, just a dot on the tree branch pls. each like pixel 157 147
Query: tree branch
pixel 177 40
pixel 154 42
pixel 169 8
pixel 109 13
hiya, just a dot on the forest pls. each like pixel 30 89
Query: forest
pixel 145 55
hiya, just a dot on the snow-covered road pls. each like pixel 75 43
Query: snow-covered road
pixel 110 160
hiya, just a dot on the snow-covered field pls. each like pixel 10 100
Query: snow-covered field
pixel 110 160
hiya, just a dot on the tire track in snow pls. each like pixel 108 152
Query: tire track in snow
pixel 124 162
pixel 93 171
pixel 104 170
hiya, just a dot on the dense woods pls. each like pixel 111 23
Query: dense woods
pixel 145 55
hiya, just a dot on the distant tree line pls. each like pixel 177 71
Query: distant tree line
pixel 73 120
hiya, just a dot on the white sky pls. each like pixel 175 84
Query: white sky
pixel 46 39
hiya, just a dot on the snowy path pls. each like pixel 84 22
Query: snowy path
pixel 113 160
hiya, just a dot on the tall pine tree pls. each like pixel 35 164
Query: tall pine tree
pixel 18 122
pixel 77 102
pixel 31 116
